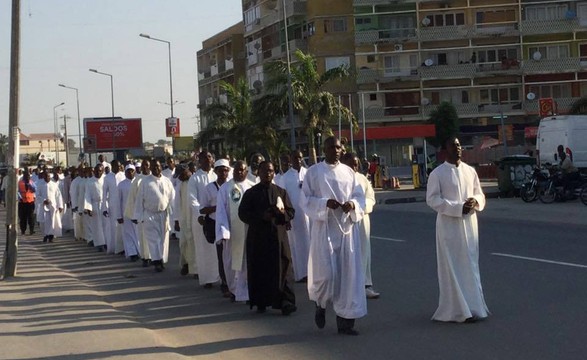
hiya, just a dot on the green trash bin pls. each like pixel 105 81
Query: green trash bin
pixel 512 172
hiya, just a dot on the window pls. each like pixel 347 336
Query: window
pixel 446 19
pixel 501 95
pixel 252 15
pixel 546 12
pixel 550 52
pixel 391 64
pixel 24 143
pixel 334 62
pixel 363 21
pixel 495 16
pixel 551 90
pixel 370 58
pixel 495 55
pixel 335 25
pixel 372 97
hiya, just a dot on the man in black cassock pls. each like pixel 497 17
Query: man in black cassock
pixel 267 210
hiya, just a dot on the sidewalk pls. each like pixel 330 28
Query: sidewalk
pixel 407 194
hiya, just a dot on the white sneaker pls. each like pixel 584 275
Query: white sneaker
pixel 371 294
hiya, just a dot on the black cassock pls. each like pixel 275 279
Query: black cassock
pixel 268 254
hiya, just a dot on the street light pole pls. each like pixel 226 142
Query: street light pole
pixel 79 124
pixel 113 128
pixel 170 78
pixel 289 86
pixel 56 130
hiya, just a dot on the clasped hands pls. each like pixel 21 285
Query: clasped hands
pixel 272 212
pixel 346 207
pixel 469 205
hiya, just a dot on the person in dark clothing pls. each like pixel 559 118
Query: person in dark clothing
pixel 267 209
pixel 26 203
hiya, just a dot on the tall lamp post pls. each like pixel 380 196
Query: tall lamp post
pixel 79 124
pixel 289 87
pixel 113 130
pixel 170 77
pixel 56 130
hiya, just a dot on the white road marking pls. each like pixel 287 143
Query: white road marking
pixel 387 239
pixel 540 260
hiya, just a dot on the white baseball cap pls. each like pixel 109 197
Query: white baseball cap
pixel 222 162
pixel 129 166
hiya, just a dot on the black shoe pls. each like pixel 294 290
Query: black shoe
pixel 158 265
pixel 30 233
pixel 320 317
pixel 184 270
pixel 45 239
pixel 287 309
pixel 261 309
pixel 91 243
pixel 22 233
pixel 101 248
pixel 208 286
pixel 146 262
pixel 345 326
pixel 348 332
pixel 50 238
pixel 302 280
pixel 134 258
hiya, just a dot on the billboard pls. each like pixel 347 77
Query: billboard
pixel 172 127
pixel 107 134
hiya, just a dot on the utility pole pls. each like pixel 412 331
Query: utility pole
pixel 65 140
pixel 11 251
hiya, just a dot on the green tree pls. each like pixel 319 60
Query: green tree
pixel 446 120
pixel 316 107
pixel 241 128
pixel 3 147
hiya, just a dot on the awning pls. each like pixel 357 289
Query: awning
pixel 392 132
pixel 489 142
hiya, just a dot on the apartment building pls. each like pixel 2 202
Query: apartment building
pixel 494 60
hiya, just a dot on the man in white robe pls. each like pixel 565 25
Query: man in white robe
pixel 334 201
pixel 197 184
pixel 114 245
pixel 153 208
pixel 66 216
pixel 455 193
pixel 253 172
pixel 299 234
pixel 129 231
pixel 182 213
pixel 169 172
pixel 73 198
pixel 50 207
pixel 353 161
pixel 129 210
pixel 231 231
pixel 94 207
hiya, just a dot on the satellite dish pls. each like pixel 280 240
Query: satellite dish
pixel 537 56
pixel 428 62
pixel 425 101
pixel 426 21
pixel 530 96
pixel 258 84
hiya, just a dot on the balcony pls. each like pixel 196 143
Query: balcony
pixel 495 30
pixel 537 27
pixel 545 66
pixel 214 70
pixel 391 113
pixel 563 105
pixel 295 8
pixel 436 33
pixel 447 71
pixel 370 2
pixel 382 36
pixel 507 67
pixel 228 64
pixel 368 76
pixel 513 108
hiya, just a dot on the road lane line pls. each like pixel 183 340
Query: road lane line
pixel 540 260
pixel 387 239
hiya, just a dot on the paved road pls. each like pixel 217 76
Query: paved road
pixel 70 302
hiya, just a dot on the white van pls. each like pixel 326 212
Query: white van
pixel 569 131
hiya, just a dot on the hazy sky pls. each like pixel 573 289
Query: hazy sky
pixel 62 39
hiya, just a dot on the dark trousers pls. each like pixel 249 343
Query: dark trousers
pixel 223 285
pixel 25 215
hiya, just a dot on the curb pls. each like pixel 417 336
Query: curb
pixel 413 199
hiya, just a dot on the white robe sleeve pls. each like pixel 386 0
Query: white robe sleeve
pixel 222 214
pixel 139 202
pixel 177 202
pixel 88 196
pixel 435 199
pixel 358 199
pixel 311 201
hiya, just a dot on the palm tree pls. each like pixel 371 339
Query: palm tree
pixel 241 128
pixel 316 107
pixel 3 147
pixel 446 120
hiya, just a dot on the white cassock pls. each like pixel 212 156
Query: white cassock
pixel 251 177
pixel 86 219
pixel 129 231
pixel 153 204
pixel 93 201
pixel 129 213
pixel 457 242
pixel 109 199
pixel 168 173
pixel 230 228
pixel 196 185
pixel 182 213
pixel 77 219
pixel 299 235
pixel 365 226
pixel 66 215
pixel 48 215
pixel 208 265
pixel 335 270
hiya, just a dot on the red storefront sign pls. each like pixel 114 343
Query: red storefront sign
pixel 546 107
pixel 531 132
pixel 106 134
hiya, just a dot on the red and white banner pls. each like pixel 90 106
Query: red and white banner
pixel 172 127
pixel 106 134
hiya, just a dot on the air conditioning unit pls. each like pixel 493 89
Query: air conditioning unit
pixel 398 47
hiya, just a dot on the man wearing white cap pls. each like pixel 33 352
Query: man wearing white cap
pixel 130 235
pixel 209 269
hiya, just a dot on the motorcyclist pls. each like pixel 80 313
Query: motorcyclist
pixel 570 174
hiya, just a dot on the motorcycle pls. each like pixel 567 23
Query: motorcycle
pixel 554 189
pixel 583 194
pixel 538 181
